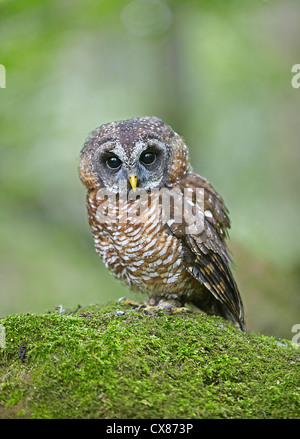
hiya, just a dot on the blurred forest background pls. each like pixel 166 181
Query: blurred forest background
pixel 219 72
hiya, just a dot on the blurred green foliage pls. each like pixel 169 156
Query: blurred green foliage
pixel 218 72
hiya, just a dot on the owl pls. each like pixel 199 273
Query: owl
pixel 157 225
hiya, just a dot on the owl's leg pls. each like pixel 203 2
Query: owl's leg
pixel 168 306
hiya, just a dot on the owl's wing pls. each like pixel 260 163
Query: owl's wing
pixel 206 256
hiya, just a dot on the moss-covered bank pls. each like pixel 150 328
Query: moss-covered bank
pixel 99 363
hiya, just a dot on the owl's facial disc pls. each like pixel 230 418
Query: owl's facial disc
pixel 143 165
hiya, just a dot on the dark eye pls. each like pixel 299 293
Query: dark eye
pixel 113 162
pixel 148 157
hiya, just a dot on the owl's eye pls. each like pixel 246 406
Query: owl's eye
pixel 148 157
pixel 113 162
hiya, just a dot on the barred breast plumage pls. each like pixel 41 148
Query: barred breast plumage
pixel 143 252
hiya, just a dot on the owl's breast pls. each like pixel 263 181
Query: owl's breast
pixel 141 250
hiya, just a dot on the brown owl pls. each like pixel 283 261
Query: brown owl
pixel 151 227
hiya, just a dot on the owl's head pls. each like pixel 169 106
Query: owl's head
pixel 144 151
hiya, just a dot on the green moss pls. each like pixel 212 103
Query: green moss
pixel 94 364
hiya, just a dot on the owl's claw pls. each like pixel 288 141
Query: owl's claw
pixel 173 310
pixel 133 303
pixel 141 307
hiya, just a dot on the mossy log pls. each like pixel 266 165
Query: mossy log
pixel 115 363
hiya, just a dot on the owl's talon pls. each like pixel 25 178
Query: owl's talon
pixel 133 303
pixel 180 309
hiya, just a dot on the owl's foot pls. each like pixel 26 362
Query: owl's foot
pixel 134 304
pixel 167 306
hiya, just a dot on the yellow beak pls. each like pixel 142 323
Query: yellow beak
pixel 133 181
